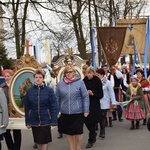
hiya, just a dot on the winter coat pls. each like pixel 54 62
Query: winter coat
pixel 72 98
pixel 138 96
pixel 3 111
pixel 40 106
pixel 5 88
pixel 95 86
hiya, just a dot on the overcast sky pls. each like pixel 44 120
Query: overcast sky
pixel 34 36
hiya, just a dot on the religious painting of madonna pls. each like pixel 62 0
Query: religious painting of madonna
pixel 21 81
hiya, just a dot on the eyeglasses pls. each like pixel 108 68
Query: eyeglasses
pixel 68 72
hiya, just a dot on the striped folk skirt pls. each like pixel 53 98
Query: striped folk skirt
pixel 134 112
pixel 147 102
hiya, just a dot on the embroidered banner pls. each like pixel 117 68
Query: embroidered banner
pixel 138 34
pixel 112 39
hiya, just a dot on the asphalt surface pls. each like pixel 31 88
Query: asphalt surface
pixel 118 137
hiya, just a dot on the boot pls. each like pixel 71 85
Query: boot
pixel 120 116
pixel 110 122
pixel 137 124
pixel 144 121
pixel 132 125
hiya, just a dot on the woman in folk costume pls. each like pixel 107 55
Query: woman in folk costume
pixel 146 90
pixel 135 109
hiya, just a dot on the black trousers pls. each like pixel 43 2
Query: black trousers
pixel 13 143
pixel 115 115
pixel 92 133
pixel 103 121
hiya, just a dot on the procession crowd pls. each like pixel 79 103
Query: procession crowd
pixel 95 101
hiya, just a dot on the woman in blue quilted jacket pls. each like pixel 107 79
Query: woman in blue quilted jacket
pixel 73 104
pixel 40 110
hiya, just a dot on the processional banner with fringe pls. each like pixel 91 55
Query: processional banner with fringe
pixel 111 39
pixel 138 34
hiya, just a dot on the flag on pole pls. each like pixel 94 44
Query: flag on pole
pixel 113 22
pixel 37 51
pixel 147 46
pixel 93 48
pixel 48 52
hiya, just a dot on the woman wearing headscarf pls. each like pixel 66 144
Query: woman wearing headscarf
pixel 135 109
pixel 146 90
pixel 12 141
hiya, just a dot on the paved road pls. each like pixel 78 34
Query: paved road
pixel 118 137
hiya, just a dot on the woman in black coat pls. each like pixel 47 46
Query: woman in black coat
pixel 95 91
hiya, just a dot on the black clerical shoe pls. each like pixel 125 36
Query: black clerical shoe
pixel 102 136
pixel 114 119
pixel 120 119
pixel 89 145
pixel 60 136
pixel 35 146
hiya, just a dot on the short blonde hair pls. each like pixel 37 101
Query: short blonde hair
pixel 90 69
pixel 69 67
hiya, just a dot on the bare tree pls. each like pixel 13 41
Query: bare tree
pixel 17 23
pixel 73 20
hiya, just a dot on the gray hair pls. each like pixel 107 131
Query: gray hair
pixel 90 69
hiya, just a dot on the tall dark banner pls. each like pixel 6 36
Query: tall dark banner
pixel 112 39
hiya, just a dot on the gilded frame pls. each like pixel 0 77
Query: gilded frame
pixel 18 82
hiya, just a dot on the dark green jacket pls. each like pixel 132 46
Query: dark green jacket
pixel 138 96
